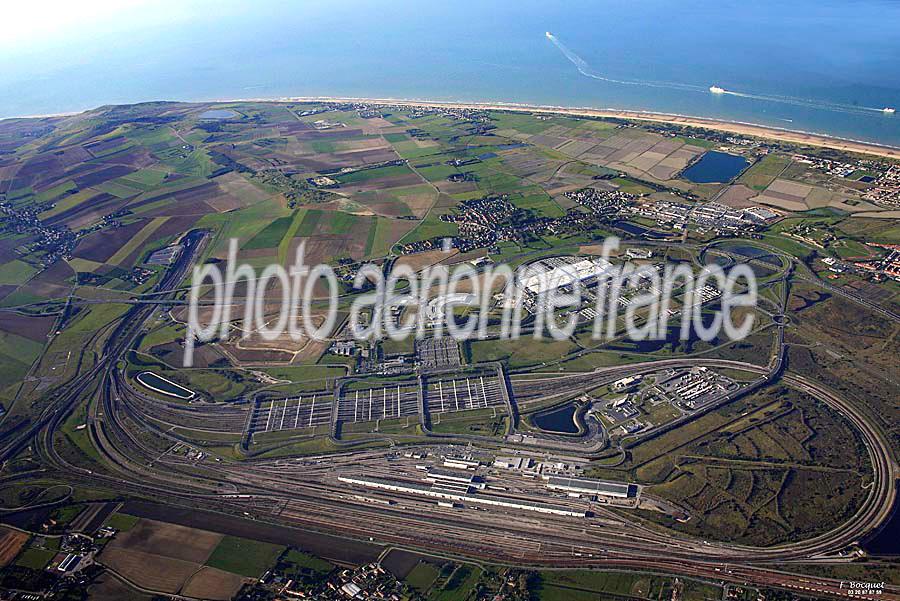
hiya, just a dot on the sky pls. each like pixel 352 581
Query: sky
pixel 31 23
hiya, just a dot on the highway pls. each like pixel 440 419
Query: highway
pixel 142 455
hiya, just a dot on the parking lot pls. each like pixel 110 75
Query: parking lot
pixel 438 352
pixel 291 413
pixel 462 394
pixel 371 404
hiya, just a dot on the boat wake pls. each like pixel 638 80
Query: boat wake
pixel 585 69
pixel 806 102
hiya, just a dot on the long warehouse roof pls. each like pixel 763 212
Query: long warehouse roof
pixel 587 485
pixel 416 488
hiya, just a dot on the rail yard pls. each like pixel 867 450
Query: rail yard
pixel 545 512
pixel 765 462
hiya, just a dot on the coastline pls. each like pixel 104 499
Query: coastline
pixel 736 127
pixel 722 125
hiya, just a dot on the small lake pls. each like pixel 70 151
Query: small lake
pixel 560 420
pixel 160 384
pixel 754 252
pixel 715 167
pixel 638 230
pixel 721 261
pixel 218 114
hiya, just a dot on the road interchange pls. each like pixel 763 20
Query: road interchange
pixel 305 492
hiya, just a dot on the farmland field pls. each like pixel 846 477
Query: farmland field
pixel 243 556
pixel 768 441
pixel 169 557
pixel 11 543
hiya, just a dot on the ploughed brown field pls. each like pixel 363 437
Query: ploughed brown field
pixel 33 328
pixel 212 583
pixel 11 543
pixel 169 558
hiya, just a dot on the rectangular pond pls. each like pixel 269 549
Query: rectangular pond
pixel 715 167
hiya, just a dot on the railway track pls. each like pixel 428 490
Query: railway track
pixel 304 493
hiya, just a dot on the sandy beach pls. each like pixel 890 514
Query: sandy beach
pixel 745 129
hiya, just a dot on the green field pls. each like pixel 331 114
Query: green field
pixel 520 353
pixel 540 203
pixel 430 227
pixel 35 559
pixel 243 556
pixel 578 585
pixel 458 585
pixel 310 223
pixel 422 576
pixel 271 235
pixel 770 468
pixel 478 422
pixel 760 175
pixel 366 175
pixel 16 272
pixel 306 561
pixel 122 521
pixel 17 354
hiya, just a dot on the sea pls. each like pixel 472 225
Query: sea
pixel 822 66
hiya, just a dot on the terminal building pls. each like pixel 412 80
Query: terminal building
pixel 461 463
pixel 586 486
pixel 436 309
pixel 546 275
pixel 441 475
pixel 626 383
pixel 513 463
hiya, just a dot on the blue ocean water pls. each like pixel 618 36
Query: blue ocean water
pixel 826 66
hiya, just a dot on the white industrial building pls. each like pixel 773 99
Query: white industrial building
pixel 493 500
pixel 626 383
pixel 639 253
pixel 549 274
pixel 436 310
pixel 513 463
pixel 440 475
pixel 461 463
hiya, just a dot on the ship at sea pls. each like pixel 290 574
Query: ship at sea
pixel 888 110
pixel 716 90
